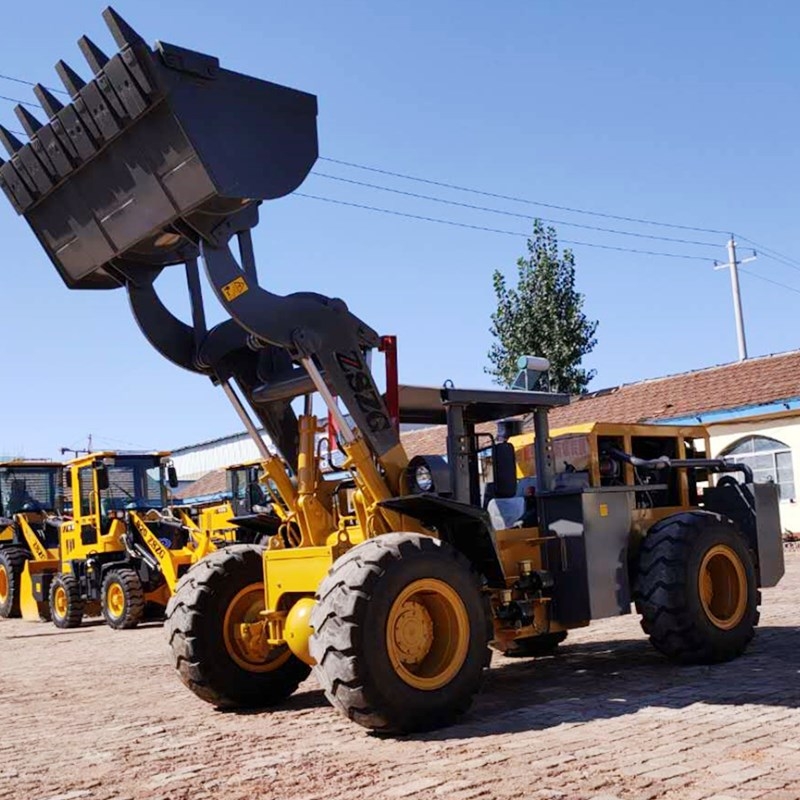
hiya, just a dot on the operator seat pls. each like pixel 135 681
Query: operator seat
pixel 505 511
pixel 505 508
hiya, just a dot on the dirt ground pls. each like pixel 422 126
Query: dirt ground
pixel 98 714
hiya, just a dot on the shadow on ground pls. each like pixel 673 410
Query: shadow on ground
pixel 604 680
pixel 601 680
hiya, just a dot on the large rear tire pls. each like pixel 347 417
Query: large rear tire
pixel 122 599
pixel 696 589
pixel 401 633
pixel 214 603
pixel 66 603
pixel 12 562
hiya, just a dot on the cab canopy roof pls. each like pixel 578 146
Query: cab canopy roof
pixel 428 405
pixel 153 455
pixel 21 463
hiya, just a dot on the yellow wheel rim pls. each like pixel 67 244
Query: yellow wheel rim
pixel 3 583
pixel 723 587
pixel 427 634
pixel 115 600
pixel 61 602
pixel 244 632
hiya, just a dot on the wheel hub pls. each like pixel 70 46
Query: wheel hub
pixel 61 601
pixel 413 632
pixel 723 587
pixel 244 632
pixel 252 639
pixel 427 634
pixel 115 600
pixel 3 584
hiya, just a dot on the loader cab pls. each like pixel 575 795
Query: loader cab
pixel 28 487
pixel 244 486
pixel 104 487
pixel 459 482
pixel 33 491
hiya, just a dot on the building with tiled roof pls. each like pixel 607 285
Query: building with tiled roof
pixel 211 485
pixel 761 385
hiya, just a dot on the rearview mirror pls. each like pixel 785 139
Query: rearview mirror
pixel 504 464
pixel 172 476
pixel 102 477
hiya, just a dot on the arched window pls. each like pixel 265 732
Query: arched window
pixel 770 460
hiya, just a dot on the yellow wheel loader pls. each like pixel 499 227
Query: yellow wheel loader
pixel 122 549
pixel 393 583
pixel 245 517
pixel 30 498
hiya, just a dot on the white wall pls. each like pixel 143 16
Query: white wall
pixel 195 461
pixel 785 429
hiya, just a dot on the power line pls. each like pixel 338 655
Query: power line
pixel 778 260
pixel 21 102
pixel 121 441
pixel 514 214
pixel 774 255
pixel 771 250
pixel 491 230
pixel 769 280
pixel 521 199
pixel 770 253
pixel 30 83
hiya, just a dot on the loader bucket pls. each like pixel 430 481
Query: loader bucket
pixel 153 153
pixel 33 589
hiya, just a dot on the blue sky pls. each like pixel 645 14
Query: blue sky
pixel 682 112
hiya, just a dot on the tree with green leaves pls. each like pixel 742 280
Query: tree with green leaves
pixel 542 316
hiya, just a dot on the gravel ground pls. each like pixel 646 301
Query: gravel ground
pixel 99 714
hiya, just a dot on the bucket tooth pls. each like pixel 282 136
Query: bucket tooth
pixel 95 57
pixel 27 120
pixel 49 102
pixel 9 141
pixel 73 82
pixel 123 34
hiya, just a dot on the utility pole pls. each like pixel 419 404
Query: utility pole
pixel 733 266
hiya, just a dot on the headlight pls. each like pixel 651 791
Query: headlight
pixel 428 475
pixel 423 478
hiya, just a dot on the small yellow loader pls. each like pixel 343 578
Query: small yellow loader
pixel 121 550
pixel 245 517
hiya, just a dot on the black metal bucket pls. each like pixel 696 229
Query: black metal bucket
pixel 159 148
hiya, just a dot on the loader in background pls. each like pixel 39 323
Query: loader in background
pixel 121 550
pixel 31 497
pixel 246 516
pixel 393 583
pixel 594 456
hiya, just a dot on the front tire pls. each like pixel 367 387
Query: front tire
pixel 12 562
pixel 122 599
pixel 696 589
pixel 66 603
pixel 401 633
pixel 214 602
